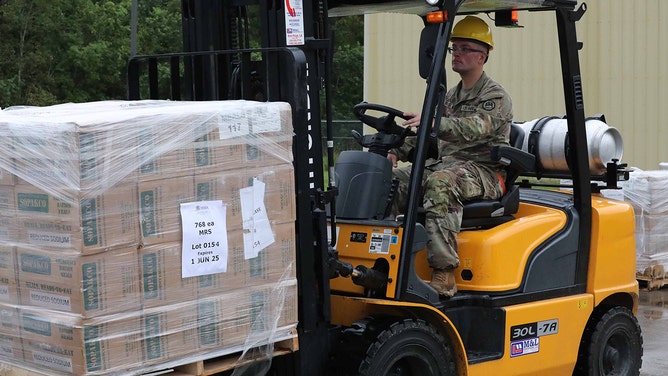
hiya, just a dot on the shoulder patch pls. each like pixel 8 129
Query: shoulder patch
pixel 488 105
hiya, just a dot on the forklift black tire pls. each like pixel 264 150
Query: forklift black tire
pixel 613 345
pixel 408 347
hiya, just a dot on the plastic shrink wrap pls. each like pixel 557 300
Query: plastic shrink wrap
pixel 647 191
pixel 102 269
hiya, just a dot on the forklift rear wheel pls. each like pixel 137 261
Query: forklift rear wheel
pixel 615 345
pixel 408 347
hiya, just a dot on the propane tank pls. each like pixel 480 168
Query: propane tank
pixel 547 139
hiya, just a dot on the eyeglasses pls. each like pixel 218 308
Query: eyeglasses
pixel 463 50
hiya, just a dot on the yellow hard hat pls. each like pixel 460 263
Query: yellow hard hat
pixel 473 28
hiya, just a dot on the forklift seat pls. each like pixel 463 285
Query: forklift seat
pixel 482 214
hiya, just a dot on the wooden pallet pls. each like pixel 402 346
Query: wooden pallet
pixel 214 366
pixel 652 283
pixel 653 276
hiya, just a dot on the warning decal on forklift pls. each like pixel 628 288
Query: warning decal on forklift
pixel 525 338
pixel 294 22
pixel 380 243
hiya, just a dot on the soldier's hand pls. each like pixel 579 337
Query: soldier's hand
pixel 414 120
pixel 393 159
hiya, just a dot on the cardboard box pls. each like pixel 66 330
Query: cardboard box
pixel 279 195
pixel 160 268
pixel 166 149
pixel 222 143
pixel 161 281
pixel 222 136
pixel 246 134
pixel 235 276
pixel 160 205
pixel 83 223
pixel 70 147
pixel 8 230
pixel 6 177
pixel 268 150
pixel 61 343
pixel 241 153
pixel 238 118
pixel 221 323
pixel 11 347
pixel 94 145
pixel 7 200
pixel 9 292
pixel 9 319
pixel 273 264
pixel 256 313
pixel 174 163
pixel 44 151
pixel 6 158
pixel 88 285
pixel 169 332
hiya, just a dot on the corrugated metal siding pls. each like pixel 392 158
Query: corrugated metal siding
pixel 625 50
pixel 625 45
pixel 391 61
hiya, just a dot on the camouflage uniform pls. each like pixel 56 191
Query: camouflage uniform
pixel 475 120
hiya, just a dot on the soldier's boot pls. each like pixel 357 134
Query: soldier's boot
pixel 443 281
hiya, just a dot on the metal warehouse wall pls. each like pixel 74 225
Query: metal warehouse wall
pixel 625 50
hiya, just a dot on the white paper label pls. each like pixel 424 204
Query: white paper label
pixel 43 299
pixel 51 361
pixel 233 124
pixel 257 229
pixel 50 239
pixel 267 119
pixel 204 249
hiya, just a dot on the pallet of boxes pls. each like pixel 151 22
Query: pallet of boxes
pixel 139 236
pixel 647 191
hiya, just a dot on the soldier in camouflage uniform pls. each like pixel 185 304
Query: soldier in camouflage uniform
pixel 477 116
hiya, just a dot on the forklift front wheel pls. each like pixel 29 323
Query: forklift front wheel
pixel 408 347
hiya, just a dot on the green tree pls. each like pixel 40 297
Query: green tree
pixel 98 50
pixel 76 50
pixel 24 62
pixel 159 27
pixel 346 80
pixel 348 65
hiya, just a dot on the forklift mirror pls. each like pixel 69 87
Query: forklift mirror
pixel 426 53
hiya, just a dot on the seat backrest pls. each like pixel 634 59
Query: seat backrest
pixel 516 135
pixel 489 213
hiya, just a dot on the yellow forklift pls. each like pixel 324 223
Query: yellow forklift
pixel 547 276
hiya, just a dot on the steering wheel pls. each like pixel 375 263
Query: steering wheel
pixel 390 135
pixel 385 124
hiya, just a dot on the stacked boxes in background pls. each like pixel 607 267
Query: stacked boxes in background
pixel 647 191
pixel 91 234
